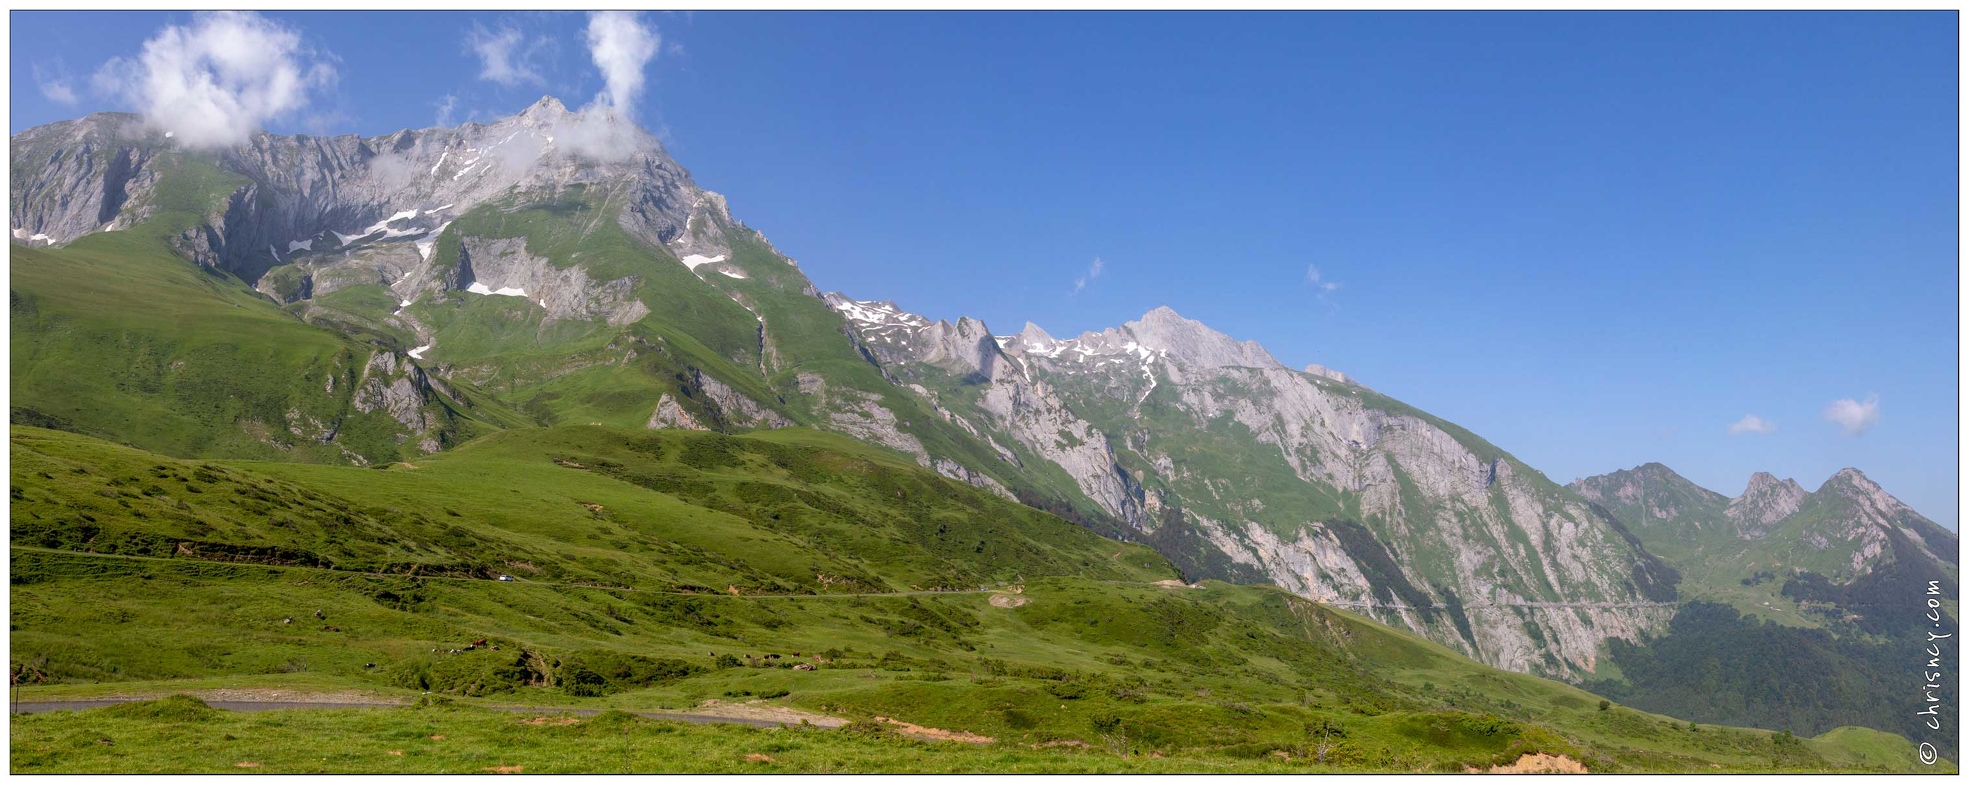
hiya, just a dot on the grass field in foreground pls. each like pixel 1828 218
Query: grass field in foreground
pixel 178 734
pixel 667 570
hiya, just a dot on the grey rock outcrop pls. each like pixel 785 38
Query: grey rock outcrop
pixel 86 173
pixel 391 384
pixel 503 266
pixel 1328 373
pixel 1011 401
pixel 1764 503
pixel 670 414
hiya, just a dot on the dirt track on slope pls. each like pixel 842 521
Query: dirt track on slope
pixel 260 700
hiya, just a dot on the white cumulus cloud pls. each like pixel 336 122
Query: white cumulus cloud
pixel 505 55
pixel 1093 272
pixel 1854 417
pixel 1752 424
pixel 621 47
pixel 214 82
pixel 1319 281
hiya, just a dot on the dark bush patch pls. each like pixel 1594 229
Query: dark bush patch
pixel 597 673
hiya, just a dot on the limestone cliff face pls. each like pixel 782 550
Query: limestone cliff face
pixel 1541 582
pixel 87 172
pixel 503 265
pixel 1010 402
pixel 1363 503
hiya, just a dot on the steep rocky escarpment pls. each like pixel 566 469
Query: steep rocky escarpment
pixel 1304 479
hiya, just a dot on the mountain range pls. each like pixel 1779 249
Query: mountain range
pixel 371 301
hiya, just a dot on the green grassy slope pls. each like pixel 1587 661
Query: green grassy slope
pixel 117 335
pixel 657 570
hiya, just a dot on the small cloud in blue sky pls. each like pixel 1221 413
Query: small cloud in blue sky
pixel 506 56
pixel 1093 272
pixel 55 84
pixel 1752 424
pixel 1854 417
pixel 1319 281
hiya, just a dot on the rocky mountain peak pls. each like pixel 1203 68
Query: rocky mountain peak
pixel 1851 478
pixel 1032 339
pixel 895 335
pixel 1852 484
pixel 1192 344
pixel 547 107
pixel 1766 501
pixel 1759 481
pixel 1652 492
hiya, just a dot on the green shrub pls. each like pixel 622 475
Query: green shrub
pixel 596 673
pixel 176 708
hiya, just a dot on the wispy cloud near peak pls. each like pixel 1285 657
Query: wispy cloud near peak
pixel 1093 272
pixel 505 55
pixel 1319 281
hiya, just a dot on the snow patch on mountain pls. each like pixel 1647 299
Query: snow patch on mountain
pixel 509 291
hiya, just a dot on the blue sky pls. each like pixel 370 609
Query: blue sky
pixel 1596 239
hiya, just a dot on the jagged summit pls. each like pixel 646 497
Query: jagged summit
pixel 1761 480
pixel 300 194
pixel 1764 502
pixel 547 106
pixel 1192 344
